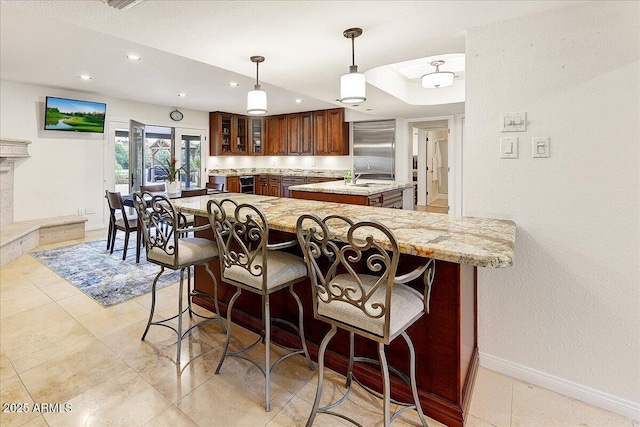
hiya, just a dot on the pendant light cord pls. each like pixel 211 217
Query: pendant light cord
pixel 353 51
pixel 257 67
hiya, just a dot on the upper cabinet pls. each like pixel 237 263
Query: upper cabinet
pixel 300 134
pixel 331 133
pixel 322 133
pixel 277 135
pixel 228 134
pixel 256 135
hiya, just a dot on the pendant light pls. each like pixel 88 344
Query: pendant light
pixel 352 84
pixel 438 78
pixel 257 98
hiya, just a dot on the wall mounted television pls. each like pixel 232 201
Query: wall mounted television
pixel 73 115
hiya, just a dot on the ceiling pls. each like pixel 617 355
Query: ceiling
pixel 198 47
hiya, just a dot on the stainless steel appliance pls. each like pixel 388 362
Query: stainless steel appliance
pixel 247 184
pixel 375 143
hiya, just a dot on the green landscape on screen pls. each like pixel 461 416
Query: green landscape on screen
pixel 75 116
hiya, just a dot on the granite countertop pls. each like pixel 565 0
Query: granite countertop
pixel 481 242
pixel 326 173
pixel 364 187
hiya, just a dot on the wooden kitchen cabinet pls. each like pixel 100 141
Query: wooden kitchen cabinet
pixel 277 135
pixel 261 185
pixel 301 139
pixel 256 136
pixel 233 184
pixel 273 186
pixel 331 133
pixel 227 134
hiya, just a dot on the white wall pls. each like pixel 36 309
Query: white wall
pixel 568 310
pixel 66 171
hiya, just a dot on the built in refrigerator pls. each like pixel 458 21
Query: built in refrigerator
pixel 374 149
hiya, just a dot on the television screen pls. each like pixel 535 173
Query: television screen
pixel 73 115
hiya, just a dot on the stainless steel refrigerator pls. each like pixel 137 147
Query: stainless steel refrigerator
pixel 374 149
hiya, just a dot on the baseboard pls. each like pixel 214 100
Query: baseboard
pixel 567 388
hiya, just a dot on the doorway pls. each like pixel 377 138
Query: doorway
pixel 431 164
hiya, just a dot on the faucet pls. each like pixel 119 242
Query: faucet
pixel 354 176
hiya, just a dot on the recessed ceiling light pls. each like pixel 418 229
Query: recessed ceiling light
pixel 133 57
pixel 182 94
pixel 85 76
pixel 298 101
pixel 234 84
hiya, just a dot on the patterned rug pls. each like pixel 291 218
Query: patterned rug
pixel 106 278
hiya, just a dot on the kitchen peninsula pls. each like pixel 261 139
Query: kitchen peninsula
pixel 445 339
pixel 381 193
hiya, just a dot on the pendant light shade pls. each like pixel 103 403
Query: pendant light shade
pixel 352 84
pixel 438 78
pixel 257 98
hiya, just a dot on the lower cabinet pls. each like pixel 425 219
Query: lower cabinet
pixel 288 181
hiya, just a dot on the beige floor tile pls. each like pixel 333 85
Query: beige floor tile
pixel 21 297
pixel 47 344
pixel 154 359
pixel 491 400
pixel 171 417
pixel 6 369
pixel 125 399
pixel 104 322
pixel 8 275
pixel 59 288
pixel 22 324
pixel 13 392
pixel 79 305
pixel 472 421
pixel 241 403
pixel 67 376
pixel 535 406
pixel 296 413
pixel 36 422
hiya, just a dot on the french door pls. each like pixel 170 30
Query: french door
pixel 136 155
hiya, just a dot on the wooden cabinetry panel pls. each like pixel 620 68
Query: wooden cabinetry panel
pixel 288 181
pixel 277 135
pixel 256 136
pixel 241 135
pixel 233 184
pixel 331 133
pixel 228 134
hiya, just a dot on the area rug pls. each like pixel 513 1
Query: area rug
pixel 105 277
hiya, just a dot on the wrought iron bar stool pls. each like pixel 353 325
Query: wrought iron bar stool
pixel 353 268
pixel 162 227
pixel 249 262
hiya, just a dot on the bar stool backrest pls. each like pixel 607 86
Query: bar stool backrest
pixel 348 263
pixel 160 223
pixel 242 234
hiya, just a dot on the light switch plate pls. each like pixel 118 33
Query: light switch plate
pixel 509 147
pixel 540 146
pixel 513 122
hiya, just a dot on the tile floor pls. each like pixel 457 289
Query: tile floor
pixel 59 346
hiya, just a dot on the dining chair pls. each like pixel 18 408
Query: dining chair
pixel 215 186
pixel 122 222
pixel 250 262
pixel 153 188
pixel 162 227
pixel 355 287
pixel 191 193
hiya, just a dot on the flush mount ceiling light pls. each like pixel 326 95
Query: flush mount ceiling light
pixel 257 98
pixel 438 78
pixel 133 57
pixel 122 4
pixel 85 76
pixel 352 84
pixel 234 84
pixel 182 94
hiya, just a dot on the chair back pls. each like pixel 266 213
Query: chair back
pixel 160 224
pixel 190 193
pixel 348 263
pixel 153 188
pixel 242 234
pixel 114 199
pixel 216 186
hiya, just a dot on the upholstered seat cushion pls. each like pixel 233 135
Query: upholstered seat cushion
pixel 406 304
pixel 191 250
pixel 282 267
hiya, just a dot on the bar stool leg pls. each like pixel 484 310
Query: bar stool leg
pixel 301 327
pixel 386 387
pixel 321 351
pixel 226 343
pixel 215 297
pixel 153 302
pixel 267 352
pixel 180 315
pixel 412 376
